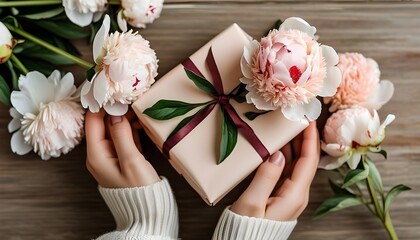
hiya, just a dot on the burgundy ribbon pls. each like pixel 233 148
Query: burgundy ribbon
pixel 223 101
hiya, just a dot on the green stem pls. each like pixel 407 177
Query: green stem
pixel 47 45
pixel 29 3
pixel 114 2
pixel 389 227
pixel 19 64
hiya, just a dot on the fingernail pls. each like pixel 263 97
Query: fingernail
pixel 115 119
pixel 277 158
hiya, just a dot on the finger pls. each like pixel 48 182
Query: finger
pixel 134 166
pixel 94 128
pixel 253 201
pixel 306 165
pixel 136 135
pixel 297 145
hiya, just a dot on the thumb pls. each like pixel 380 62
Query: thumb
pixel 122 137
pixel 254 200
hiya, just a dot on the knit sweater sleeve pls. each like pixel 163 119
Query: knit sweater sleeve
pixel 234 226
pixel 148 212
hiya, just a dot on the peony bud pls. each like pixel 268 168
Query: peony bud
pixel 6 43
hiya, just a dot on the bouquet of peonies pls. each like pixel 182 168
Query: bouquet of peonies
pixel 35 40
pixel 352 134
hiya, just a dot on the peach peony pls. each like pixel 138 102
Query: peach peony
pixel 349 133
pixel 47 116
pixel 126 68
pixel 288 69
pixel 360 84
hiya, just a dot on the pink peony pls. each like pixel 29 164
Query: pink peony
pixel 349 133
pixel 288 69
pixel 360 84
pixel 126 68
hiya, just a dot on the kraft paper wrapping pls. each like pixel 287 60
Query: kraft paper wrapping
pixel 196 156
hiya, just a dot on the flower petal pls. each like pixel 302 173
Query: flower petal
pixel 15 123
pixel 119 71
pixel 298 24
pixel 331 82
pixel 329 163
pixel 100 86
pixel 330 55
pixel 18 145
pixel 122 23
pixel 116 109
pixel 382 95
pixel 38 87
pixel 249 50
pixel 87 99
pixel 294 113
pixel 246 71
pixel 253 97
pixel 99 40
pixel 81 19
pixel 354 159
pixel 22 103
pixel 65 88
pixel 313 109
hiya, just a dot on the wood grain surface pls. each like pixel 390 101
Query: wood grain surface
pixel 58 199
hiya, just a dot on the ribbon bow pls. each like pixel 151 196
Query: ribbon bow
pixel 220 98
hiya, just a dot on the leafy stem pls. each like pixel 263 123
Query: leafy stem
pixel 19 64
pixel 49 46
pixel 29 3
pixel 373 195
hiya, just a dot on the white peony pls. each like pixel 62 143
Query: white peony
pixel 138 13
pixel 6 43
pixel 126 68
pixel 47 116
pixel 83 12
pixel 349 133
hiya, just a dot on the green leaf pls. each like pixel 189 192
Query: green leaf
pixel 229 137
pixel 46 14
pixel 335 204
pixel 167 109
pixel 253 115
pixel 355 175
pixel 375 176
pixel 63 29
pixel 392 194
pixel 338 190
pixel 13 75
pixel 181 124
pixel 201 83
pixel 49 57
pixel 4 92
pixel 90 73
pixel 240 94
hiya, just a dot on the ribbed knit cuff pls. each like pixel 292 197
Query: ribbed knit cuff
pixel 148 212
pixel 234 226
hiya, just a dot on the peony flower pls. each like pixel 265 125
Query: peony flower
pixel 349 133
pixel 126 68
pixel 6 43
pixel 83 12
pixel 360 84
pixel 288 69
pixel 47 117
pixel 138 13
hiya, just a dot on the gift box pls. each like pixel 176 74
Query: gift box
pixel 196 156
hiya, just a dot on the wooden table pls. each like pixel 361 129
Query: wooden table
pixel 58 199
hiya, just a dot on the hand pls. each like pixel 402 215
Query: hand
pixel 288 201
pixel 112 155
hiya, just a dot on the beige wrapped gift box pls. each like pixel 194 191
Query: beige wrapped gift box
pixel 196 156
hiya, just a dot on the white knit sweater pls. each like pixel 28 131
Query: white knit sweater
pixel 150 213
